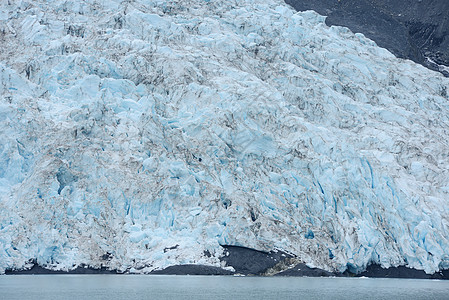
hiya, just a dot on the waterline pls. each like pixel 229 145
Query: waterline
pixel 113 287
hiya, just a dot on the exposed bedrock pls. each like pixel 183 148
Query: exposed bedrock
pixel 416 30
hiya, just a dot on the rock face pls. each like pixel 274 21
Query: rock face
pixel 191 269
pixel 252 262
pixel 412 29
pixel 376 271
pixel 139 135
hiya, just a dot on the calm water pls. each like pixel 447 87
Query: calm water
pixel 113 287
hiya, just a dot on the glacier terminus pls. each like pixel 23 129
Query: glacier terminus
pixel 137 135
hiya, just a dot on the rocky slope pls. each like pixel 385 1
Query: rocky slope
pixel 416 30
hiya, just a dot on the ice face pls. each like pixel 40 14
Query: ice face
pixel 154 131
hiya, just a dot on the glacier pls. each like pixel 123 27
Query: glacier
pixel 141 134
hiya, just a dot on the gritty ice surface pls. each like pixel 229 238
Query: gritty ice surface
pixel 139 134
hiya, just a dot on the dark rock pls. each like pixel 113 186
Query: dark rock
pixel 207 253
pixel 248 261
pixel 303 270
pixel 409 29
pixel 376 271
pixel 170 248
pixel 192 270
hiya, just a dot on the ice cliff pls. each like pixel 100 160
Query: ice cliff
pixel 136 135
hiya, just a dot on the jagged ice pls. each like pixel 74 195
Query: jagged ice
pixel 130 127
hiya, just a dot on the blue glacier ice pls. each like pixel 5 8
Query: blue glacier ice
pixel 130 127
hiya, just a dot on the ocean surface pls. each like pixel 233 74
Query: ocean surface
pixel 214 287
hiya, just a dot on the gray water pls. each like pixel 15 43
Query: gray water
pixel 113 287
